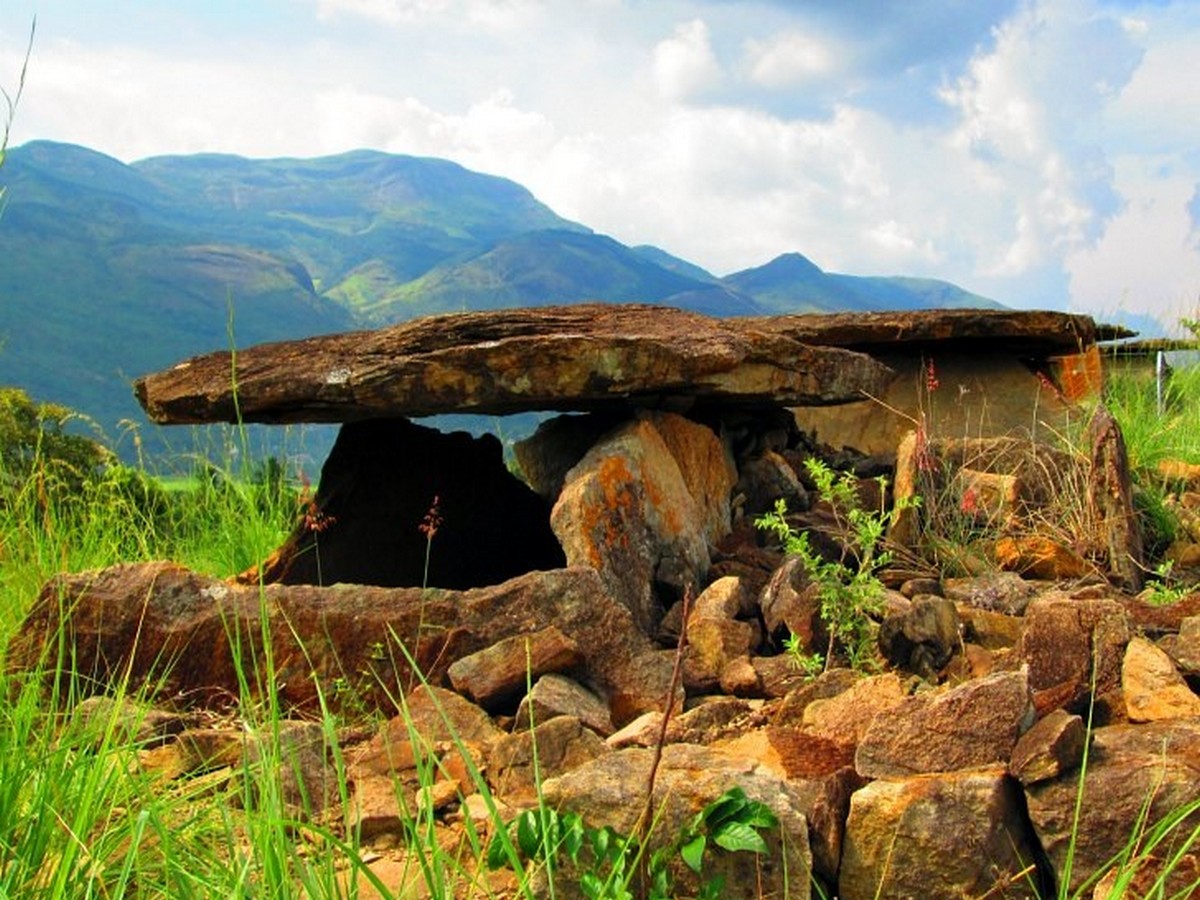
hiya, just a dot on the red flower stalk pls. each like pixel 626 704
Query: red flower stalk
pixel 433 519
pixel 312 519
pixel 931 378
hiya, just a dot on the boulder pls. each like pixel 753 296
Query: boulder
pixel 1110 499
pixel 958 834
pixel 160 621
pixel 830 683
pixel 1039 556
pixel 611 790
pixel 556 446
pixel 706 467
pixel 823 773
pixel 848 715
pixel 1153 687
pixel 765 479
pixel 923 639
pixel 1065 639
pixel 974 724
pixel 627 512
pixel 295 756
pixel 581 357
pixel 1054 745
pixel 498 674
pixel 435 724
pixel 716 638
pixel 519 762
pixel 1184 647
pixel 1000 592
pixel 556 695
pixel 790 604
pixel 1132 770
pixel 989 630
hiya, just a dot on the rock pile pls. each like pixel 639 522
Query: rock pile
pixel 551 609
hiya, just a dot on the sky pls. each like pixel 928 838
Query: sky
pixel 1045 153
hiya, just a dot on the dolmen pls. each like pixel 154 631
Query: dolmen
pixel 423 568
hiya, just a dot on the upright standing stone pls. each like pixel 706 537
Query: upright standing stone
pixel 626 511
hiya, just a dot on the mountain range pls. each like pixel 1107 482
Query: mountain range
pixel 113 270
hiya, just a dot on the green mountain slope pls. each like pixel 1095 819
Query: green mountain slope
pixel 792 283
pixel 336 214
pixel 98 285
pixel 542 268
pixel 112 270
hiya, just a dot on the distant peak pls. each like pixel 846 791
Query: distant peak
pixel 793 263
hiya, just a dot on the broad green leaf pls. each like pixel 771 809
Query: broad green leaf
pixel 529 833
pixel 573 834
pixel 759 815
pixel 735 836
pixel 497 854
pixel 591 885
pixel 693 852
pixel 600 841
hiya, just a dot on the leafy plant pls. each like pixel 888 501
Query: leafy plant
pixel 607 861
pixel 1162 588
pixel 811 664
pixel 847 587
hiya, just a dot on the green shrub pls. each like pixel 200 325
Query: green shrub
pixel 848 589
pixel 34 442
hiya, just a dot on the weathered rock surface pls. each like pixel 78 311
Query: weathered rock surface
pixel 1054 745
pixel 823 773
pixel 553 358
pixel 627 512
pixel 1006 593
pixel 498 673
pixel 1184 646
pixel 1110 498
pixel 1128 767
pixel 1039 556
pixel 556 695
pixel 159 619
pixel 847 716
pixel 611 790
pixel 554 747
pixel 972 725
pixel 982 382
pixel 923 639
pixel 1024 330
pixel 790 605
pixel 1153 687
pixel 949 836
pixel 1064 638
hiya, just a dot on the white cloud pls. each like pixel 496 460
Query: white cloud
pixel 1059 154
pixel 1147 259
pixel 502 14
pixel 685 64
pixel 789 59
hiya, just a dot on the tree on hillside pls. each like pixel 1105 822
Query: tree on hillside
pixel 34 442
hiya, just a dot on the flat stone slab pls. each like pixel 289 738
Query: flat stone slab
pixel 560 358
pixel 1032 331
